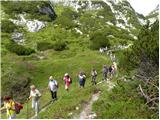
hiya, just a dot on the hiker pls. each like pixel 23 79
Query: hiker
pixel 111 71
pixel 9 106
pixel 53 86
pixel 35 96
pixel 67 80
pixel 101 50
pixel 110 55
pixel 93 76
pixel 82 79
pixel 115 67
pixel 114 58
pixel 106 48
pixel 104 72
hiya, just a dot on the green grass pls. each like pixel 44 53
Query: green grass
pixel 121 102
pixel 57 64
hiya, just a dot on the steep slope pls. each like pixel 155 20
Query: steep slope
pixel 153 15
pixel 112 12
pixel 28 29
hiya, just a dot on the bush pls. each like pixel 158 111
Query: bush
pixel 7 26
pixel 147 47
pixel 98 39
pixel 60 45
pixel 41 46
pixel 66 22
pixel 66 18
pixel 19 49
pixel 16 85
pixel 124 58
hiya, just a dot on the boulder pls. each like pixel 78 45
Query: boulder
pixel 17 37
pixel 32 25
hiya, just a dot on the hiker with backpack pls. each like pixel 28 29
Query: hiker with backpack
pixel 104 72
pixel 82 79
pixel 93 76
pixel 35 96
pixel 111 71
pixel 53 87
pixel 67 80
pixel 9 106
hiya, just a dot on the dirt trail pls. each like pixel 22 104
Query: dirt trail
pixel 87 112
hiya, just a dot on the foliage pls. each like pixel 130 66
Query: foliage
pixel 107 13
pixel 19 49
pixel 124 60
pixel 7 26
pixel 65 22
pixel 123 102
pixel 66 18
pixel 60 45
pixel 30 7
pixel 14 84
pixel 148 44
pixel 41 46
pixel 98 40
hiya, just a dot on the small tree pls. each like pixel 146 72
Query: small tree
pixel 7 26
pixel 60 45
pixel 99 39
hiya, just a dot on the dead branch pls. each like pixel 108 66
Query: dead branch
pixel 145 96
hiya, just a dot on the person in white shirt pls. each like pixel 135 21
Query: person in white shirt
pixel 35 95
pixel 53 86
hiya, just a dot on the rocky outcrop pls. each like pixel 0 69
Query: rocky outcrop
pixel 32 25
pixel 18 37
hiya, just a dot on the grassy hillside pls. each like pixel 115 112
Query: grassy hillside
pixel 70 44
pixel 57 65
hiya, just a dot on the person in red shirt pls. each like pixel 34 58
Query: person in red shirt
pixel 67 80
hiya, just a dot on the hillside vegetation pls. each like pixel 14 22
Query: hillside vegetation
pixel 69 42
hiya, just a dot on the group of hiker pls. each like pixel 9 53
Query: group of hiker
pixel 11 106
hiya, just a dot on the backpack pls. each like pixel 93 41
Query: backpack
pixel 55 82
pixel 110 69
pixel 18 107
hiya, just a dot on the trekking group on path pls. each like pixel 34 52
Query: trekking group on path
pixel 12 108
